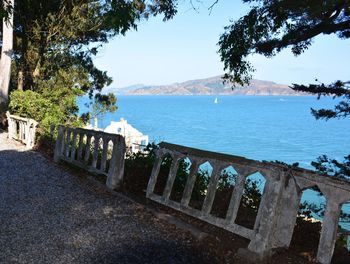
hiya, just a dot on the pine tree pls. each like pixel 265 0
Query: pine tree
pixel 271 26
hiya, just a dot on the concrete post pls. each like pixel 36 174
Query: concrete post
pixel 328 232
pixel 171 178
pixel 262 244
pixel 116 169
pixel 28 135
pixel 155 171
pixel 10 124
pixel 186 197
pixel 287 214
pixel 59 144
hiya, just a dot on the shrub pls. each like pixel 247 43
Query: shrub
pixel 43 109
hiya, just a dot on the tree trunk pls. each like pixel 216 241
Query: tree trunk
pixel 6 53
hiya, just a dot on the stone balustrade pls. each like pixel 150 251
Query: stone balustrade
pixel 22 129
pixel 277 213
pixel 96 151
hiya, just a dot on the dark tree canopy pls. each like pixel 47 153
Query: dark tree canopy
pixel 4 9
pixel 337 89
pixel 54 45
pixel 271 26
pixel 69 32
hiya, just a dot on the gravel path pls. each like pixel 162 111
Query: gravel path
pixel 50 216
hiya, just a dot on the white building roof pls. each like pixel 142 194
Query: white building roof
pixel 123 128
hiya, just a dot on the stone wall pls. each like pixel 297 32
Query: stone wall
pixel 95 151
pixel 279 204
pixel 22 129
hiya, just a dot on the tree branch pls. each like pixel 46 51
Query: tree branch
pixel 210 8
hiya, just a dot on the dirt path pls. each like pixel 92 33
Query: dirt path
pixel 50 216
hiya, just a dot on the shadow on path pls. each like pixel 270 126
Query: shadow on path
pixel 48 216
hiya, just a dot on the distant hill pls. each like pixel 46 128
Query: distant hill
pixel 209 86
pixel 123 90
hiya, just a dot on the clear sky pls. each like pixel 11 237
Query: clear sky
pixel 185 48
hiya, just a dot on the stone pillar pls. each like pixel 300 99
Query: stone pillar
pixel 265 224
pixel 213 183
pixel 328 232
pixel 335 197
pixel 186 197
pixel 155 171
pixel 20 81
pixel 59 144
pixel 287 214
pixel 116 170
pixel 171 178
pixel 10 125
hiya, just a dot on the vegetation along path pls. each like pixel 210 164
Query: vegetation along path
pixel 48 215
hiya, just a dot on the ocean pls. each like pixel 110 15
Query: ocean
pixel 256 127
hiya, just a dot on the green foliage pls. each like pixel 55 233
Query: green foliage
pixel 61 34
pixel 182 174
pixel 338 89
pixel 200 186
pixel 138 168
pixel 311 210
pixel 333 167
pixel 43 108
pixel 227 180
pixel 5 9
pixel 100 106
pixel 54 46
pixel 252 194
pixel 271 26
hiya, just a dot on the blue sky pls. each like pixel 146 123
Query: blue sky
pixel 185 48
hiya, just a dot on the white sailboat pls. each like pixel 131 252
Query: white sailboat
pixel 216 100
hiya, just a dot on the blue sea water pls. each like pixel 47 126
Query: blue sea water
pixel 257 127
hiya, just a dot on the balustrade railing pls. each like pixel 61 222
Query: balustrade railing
pixel 279 205
pixel 22 129
pixel 96 151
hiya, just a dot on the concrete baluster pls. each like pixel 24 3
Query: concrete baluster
pixel 104 153
pixel 27 133
pixel 67 146
pixel 186 197
pixel 80 146
pixel 155 172
pixel 74 145
pixel 171 177
pixel 213 183
pixel 95 153
pixel 20 134
pixel 87 148
pixel 235 199
pixel 10 123
pixel 329 231
pixel 59 144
